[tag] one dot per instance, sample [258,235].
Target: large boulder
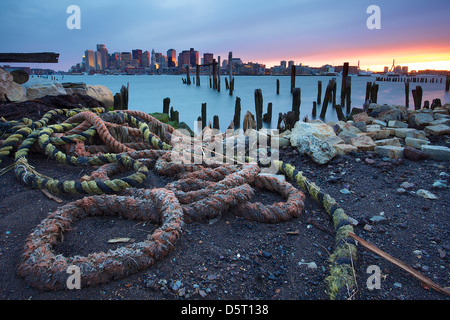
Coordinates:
[309,138]
[10,90]
[98,92]
[40,90]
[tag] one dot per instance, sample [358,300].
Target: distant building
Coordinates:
[283,63]
[386,69]
[104,56]
[171,58]
[136,54]
[125,57]
[98,61]
[89,60]
[145,59]
[290,63]
[208,58]
[193,57]
[153,58]
[405,70]
[184,58]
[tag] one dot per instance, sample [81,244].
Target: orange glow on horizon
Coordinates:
[415,57]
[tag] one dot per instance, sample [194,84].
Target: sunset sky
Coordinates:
[312,32]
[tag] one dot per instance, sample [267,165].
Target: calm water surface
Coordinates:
[148,91]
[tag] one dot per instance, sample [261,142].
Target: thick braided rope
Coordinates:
[341,281]
[42,269]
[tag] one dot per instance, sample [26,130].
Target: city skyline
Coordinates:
[309,32]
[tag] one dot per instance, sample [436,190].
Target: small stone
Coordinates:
[437,130]
[345,191]
[312,265]
[392,152]
[397,285]
[415,143]
[267,255]
[368,227]
[437,152]
[401,191]
[440,184]
[378,219]
[414,154]
[417,252]
[407,185]
[397,124]
[202,293]
[426,194]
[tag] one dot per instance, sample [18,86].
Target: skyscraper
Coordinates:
[171,58]
[137,55]
[145,59]
[104,56]
[193,57]
[98,61]
[184,58]
[89,60]
[208,58]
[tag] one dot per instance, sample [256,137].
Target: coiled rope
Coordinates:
[202,191]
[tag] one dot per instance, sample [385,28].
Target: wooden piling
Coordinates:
[237,112]
[296,100]
[314,109]
[333,90]
[188,80]
[218,73]
[374,93]
[292,78]
[203,115]
[319,92]
[267,117]
[227,86]
[197,75]
[214,66]
[326,100]
[278,86]
[344,83]
[258,108]
[368,90]
[216,122]
[407,94]
[348,94]
[447,83]
[166,103]
[230,71]
[417,96]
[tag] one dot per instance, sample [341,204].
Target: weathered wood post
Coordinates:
[278,86]
[368,90]
[188,81]
[374,93]
[230,71]
[267,117]
[237,112]
[407,94]
[296,100]
[227,86]
[344,83]
[214,66]
[258,108]
[333,91]
[348,94]
[292,78]
[197,75]
[326,100]
[314,109]
[166,103]
[203,115]
[218,73]
[216,122]
[319,92]
[417,96]
[447,83]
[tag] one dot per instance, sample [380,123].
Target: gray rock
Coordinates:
[426,194]
[437,152]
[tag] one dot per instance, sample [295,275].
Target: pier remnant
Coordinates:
[230,72]
[166,103]
[188,78]
[447,83]
[348,94]
[237,112]
[278,86]
[203,115]
[258,108]
[319,92]
[267,117]
[407,94]
[417,97]
[216,122]
[296,101]
[197,75]
[344,83]
[292,78]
